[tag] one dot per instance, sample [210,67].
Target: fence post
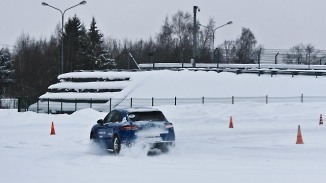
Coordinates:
[218,56]
[259,55]
[266,99]
[37,105]
[276,57]
[110,104]
[175,100]
[48,106]
[26,104]
[75,105]
[232,99]
[203,100]
[301,98]
[130,102]
[61,107]
[153,60]
[91,103]
[18,105]
[152,101]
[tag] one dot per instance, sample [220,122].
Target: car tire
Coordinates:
[92,136]
[116,145]
[165,149]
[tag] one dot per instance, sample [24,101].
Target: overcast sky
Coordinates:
[275,23]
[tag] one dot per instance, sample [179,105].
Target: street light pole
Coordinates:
[62,20]
[213,31]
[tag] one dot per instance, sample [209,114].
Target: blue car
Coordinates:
[125,127]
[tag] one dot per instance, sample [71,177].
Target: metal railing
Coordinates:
[62,106]
[222,57]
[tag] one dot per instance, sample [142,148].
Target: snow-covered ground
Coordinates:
[260,148]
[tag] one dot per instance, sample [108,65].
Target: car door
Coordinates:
[109,124]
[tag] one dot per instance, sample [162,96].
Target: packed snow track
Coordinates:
[260,148]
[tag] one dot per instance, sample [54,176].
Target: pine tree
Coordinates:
[105,62]
[97,59]
[6,71]
[74,41]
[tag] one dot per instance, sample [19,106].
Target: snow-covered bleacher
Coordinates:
[83,89]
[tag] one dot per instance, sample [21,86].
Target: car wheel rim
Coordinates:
[116,145]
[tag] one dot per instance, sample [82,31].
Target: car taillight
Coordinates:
[129,127]
[169,125]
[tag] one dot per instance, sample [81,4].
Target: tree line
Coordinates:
[34,64]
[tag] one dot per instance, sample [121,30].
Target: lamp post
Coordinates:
[62,20]
[213,31]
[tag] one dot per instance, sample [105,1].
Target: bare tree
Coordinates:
[227,51]
[302,54]
[246,47]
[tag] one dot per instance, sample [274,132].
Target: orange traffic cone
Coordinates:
[52,129]
[231,122]
[299,136]
[321,120]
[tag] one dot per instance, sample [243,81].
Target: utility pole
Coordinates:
[195,36]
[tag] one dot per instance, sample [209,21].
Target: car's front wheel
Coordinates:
[116,145]
[92,136]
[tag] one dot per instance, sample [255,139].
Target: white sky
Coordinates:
[275,23]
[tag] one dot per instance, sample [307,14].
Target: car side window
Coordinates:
[108,117]
[116,117]
[113,116]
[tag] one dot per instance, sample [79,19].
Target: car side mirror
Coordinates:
[100,121]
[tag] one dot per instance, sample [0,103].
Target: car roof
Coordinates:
[138,109]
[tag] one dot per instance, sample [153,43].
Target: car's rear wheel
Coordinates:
[116,145]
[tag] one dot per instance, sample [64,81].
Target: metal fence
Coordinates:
[140,102]
[57,106]
[8,103]
[299,56]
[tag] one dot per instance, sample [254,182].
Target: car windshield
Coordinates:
[147,116]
